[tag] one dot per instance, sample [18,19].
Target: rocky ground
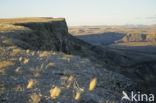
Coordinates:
[30,76]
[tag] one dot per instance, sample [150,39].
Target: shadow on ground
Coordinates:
[101,39]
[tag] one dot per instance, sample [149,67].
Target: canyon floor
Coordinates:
[41,62]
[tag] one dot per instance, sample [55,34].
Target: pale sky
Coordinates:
[84,12]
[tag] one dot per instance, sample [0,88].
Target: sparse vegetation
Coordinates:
[43,54]
[35,98]
[31,83]
[7,24]
[4,64]
[92,84]
[26,61]
[55,92]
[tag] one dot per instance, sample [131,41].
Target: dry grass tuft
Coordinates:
[2,90]
[92,84]
[77,96]
[12,59]
[35,98]
[45,53]
[12,47]
[19,88]
[70,80]
[17,69]
[37,74]
[27,51]
[6,42]
[33,53]
[42,66]
[6,64]
[31,83]
[55,92]
[2,72]
[15,51]
[50,65]
[20,59]
[26,61]
[66,58]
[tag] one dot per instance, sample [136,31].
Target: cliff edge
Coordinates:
[40,62]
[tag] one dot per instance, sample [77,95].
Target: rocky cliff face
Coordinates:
[46,36]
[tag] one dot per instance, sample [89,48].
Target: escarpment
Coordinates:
[52,35]
[38,65]
[47,36]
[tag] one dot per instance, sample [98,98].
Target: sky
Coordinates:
[84,12]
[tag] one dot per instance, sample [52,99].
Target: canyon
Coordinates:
[39,56]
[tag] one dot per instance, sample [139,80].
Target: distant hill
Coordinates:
[141,35]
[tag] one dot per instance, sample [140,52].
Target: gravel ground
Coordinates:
[31,76]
